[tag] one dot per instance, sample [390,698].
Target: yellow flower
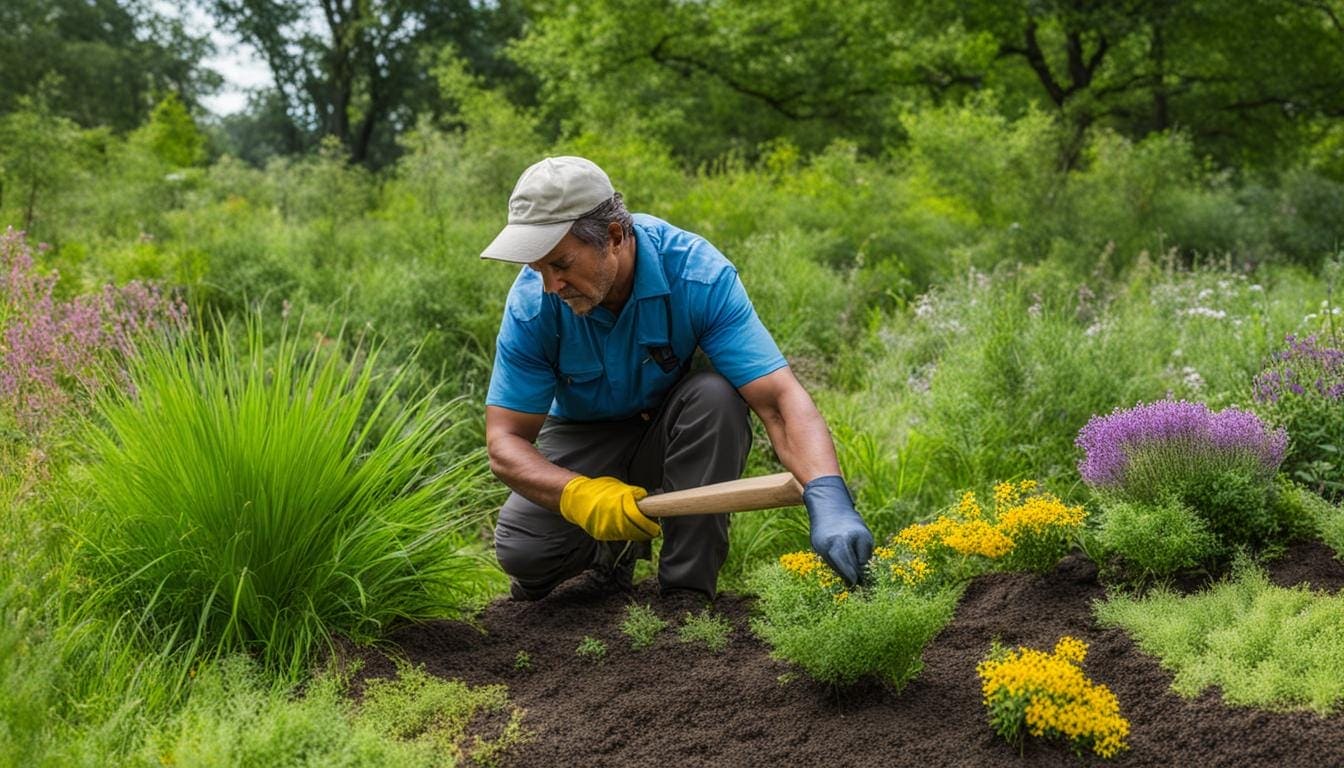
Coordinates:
[1050,695]
[800,563]
[968,508]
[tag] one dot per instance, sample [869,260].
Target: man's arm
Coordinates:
[797,430]
[605,507]
[800,438]
[509,437]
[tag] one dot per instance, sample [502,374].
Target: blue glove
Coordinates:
[838,533]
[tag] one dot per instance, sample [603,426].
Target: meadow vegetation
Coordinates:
[242,368]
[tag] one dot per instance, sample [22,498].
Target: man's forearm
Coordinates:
[800,438]
[521,466]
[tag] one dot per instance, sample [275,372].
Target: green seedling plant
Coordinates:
[641,625]
[592,649]
[707,627]
[522,662]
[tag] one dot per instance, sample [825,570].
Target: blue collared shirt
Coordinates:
[605,367]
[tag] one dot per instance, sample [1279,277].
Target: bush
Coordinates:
[263,502]
[838,637]
[1264,646]
[1027,530]
[1155,538]
[1220,465]
[1301,389]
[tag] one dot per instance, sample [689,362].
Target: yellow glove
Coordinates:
[605,508]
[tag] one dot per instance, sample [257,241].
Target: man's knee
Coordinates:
[710,392]
[536,546]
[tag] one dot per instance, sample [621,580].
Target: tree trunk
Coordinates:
[32,203]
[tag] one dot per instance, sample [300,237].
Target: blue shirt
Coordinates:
[606,367]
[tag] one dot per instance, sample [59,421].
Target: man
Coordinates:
[592,402]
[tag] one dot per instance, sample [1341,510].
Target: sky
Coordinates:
[236,61]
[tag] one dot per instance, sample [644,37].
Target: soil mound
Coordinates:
[680,704]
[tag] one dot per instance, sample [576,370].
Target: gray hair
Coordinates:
[591,228]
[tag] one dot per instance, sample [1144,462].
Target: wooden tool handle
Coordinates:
[765,492]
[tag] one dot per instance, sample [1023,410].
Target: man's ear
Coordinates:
[615,233]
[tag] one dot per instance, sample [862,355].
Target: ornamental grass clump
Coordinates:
[1177,476]
[1046,695]
[1301,389]
[266,500]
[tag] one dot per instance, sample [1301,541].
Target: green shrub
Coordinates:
[1155,538]
[641,625]
[264,501]
[841,638]
[234,717]
[707,627]
[1261,645]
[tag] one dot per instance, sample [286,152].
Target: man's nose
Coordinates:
[551,283]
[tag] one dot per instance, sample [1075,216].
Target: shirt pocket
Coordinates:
[580,374]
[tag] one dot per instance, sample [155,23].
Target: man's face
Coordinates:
[578,273]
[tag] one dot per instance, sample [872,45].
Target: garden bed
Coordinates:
[681,704]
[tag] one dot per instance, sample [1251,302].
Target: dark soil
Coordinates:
[675,704]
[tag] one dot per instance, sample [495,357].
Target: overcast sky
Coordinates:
[237,62]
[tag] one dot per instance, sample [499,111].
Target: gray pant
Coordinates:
[700,435]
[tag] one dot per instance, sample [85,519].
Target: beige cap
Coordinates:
[549,197]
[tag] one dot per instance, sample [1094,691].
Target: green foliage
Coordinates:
[100,63]
[171,135]
[1301,389]
[235,717]
[1262,645]
[881,634]
[591,649]
[641,625]
[264,501]
[522,662]
[1155,538]
[707,627]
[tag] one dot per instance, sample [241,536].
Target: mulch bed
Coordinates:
[675,704]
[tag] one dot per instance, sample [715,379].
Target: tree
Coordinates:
[101,62]
[356,69]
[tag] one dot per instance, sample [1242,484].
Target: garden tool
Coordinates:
[749,493]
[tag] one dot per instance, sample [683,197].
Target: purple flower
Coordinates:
[1183,432]
[52,353]
[1304,368]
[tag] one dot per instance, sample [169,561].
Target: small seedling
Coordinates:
[592,649]
[786,678]
[642,625]
[523,661]
[708,628]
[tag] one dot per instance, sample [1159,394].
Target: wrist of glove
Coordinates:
[839,535]
[606,508]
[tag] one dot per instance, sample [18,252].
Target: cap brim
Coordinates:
[525,243]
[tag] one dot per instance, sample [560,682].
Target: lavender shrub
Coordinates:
[55,353]
[1301,389]
[1219,465]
